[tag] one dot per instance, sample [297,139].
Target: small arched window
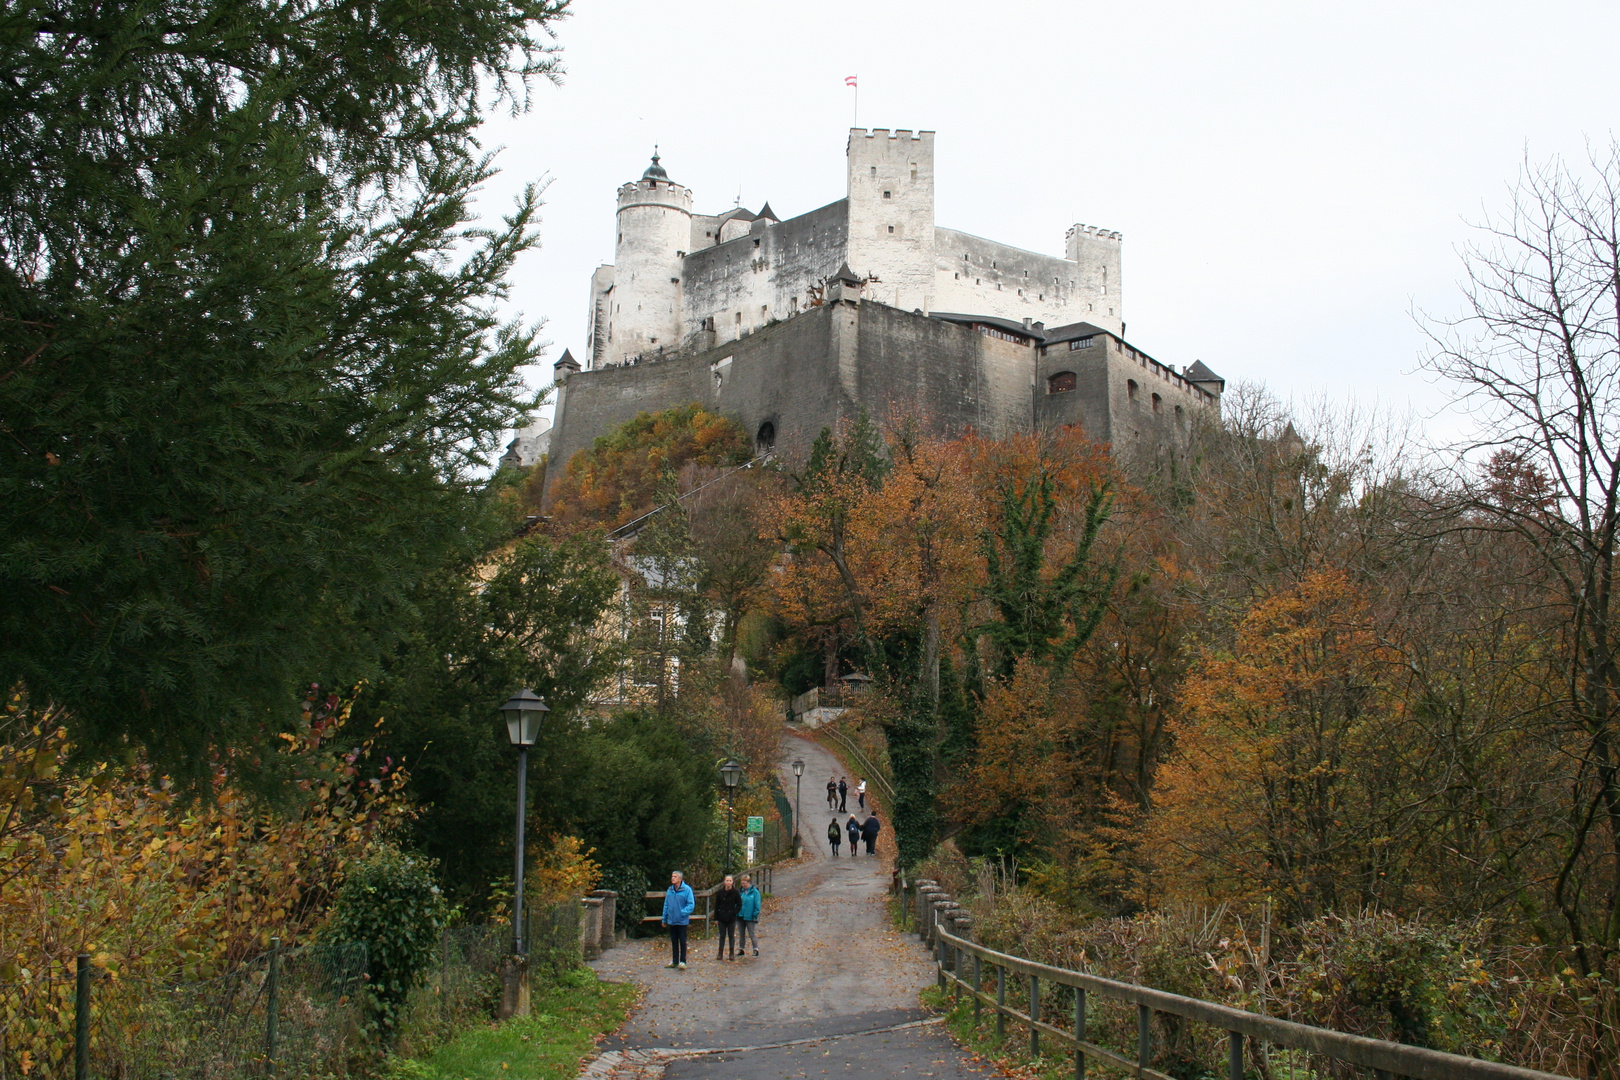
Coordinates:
[1181,417]
[1061,383]
[1157,401]
[1130,389]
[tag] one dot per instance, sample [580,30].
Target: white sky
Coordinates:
[1291,179]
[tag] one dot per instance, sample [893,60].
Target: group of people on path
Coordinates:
[735,911]
[858,830]
[838,790]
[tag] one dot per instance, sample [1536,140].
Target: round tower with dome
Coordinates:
[654,231]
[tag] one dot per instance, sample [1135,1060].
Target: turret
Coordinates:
[654,229]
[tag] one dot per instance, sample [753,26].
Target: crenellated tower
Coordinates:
[654,230]
[891,214]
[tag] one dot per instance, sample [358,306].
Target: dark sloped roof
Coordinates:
[655,171]
[737,213]
[1012,326]
[767,213]
[1072,332]
[848,275]
[1198,373]
[567,360]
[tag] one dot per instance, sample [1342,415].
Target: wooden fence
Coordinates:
[965,966]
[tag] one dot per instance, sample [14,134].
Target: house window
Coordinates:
[1061,383]
[1130,389]
[1080,343]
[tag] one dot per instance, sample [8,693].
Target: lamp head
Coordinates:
[523,713]
[731,773]
[798,768]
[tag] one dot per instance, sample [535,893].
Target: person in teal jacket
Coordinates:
[751,900]
[678,905]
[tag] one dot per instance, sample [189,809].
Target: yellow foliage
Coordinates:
[562,870]
[155,889]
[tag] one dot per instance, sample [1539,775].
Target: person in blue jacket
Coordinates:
[751,899]
[678,905]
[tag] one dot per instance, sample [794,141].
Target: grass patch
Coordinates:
[564,1025]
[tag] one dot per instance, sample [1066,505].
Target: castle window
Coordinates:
[1061,383]
[958,277]
[914,172]
[976,281]
[992,264]
[1105,283]
[1157,401]
[1130,389]
[1080,343]
[887,195]
[1181,417]
[891,228]
[874,170]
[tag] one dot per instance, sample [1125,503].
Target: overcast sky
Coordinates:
[1291,179]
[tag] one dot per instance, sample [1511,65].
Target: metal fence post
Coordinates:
[271,987]
[1001,1002]
[81,1019]
[1144,1035]
[1034,1017]
[1234,1056]
[1079,1032]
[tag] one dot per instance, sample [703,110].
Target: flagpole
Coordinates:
[855,120]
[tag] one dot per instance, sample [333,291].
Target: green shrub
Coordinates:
[390,904]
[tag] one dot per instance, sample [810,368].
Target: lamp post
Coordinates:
[798,775]
[523,713]
[730,773]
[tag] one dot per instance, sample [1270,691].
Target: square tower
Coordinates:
[891,214]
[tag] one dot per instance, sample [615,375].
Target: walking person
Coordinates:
[832,793]
[727,906]
[843,794]
[853,827]
[748,921]
[678,905]
[860,791]
[870,832]
[835,836]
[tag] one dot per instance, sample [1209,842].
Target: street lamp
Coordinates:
[798,774]
[523,714]
[730,773]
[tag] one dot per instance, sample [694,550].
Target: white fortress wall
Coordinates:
[981,277]
[891,215]
[596,321]
[766,273]
[1097,254]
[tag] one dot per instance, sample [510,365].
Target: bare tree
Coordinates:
[1537,355]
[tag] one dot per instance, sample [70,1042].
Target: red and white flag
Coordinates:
[849,80]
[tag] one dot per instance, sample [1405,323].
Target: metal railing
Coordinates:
[953,954]
[866,768]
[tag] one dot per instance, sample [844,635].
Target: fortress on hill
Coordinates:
[792,326]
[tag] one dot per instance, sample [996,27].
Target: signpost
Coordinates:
[756,826]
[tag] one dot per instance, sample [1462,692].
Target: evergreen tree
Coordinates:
[250,370]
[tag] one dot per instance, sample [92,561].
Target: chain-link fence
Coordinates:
[288,1012]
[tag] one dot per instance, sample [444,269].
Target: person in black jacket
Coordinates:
[870,831]
[835,836]
[843,794]
[727,910]
[853,827]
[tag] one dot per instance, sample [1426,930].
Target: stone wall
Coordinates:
[891,214]
[766,274]
[975,276]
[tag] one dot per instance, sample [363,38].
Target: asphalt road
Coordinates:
[833,993]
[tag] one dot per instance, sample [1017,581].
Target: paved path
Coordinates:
[833,993]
